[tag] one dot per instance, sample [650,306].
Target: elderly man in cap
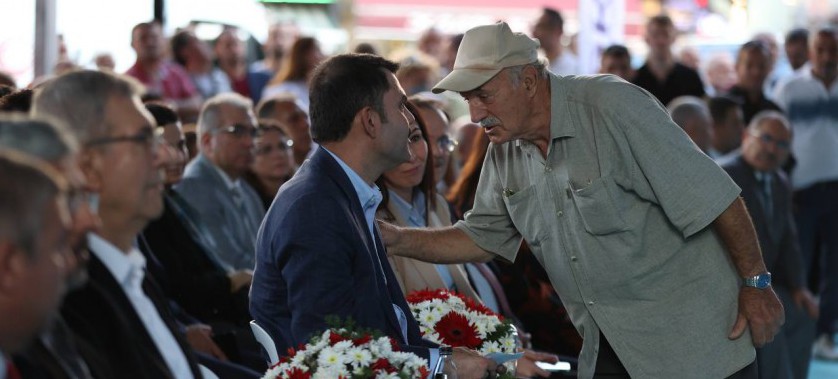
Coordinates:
[645,238]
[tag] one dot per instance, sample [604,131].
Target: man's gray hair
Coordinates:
[761,117]
[79,99]
[29,187]
[515,72]
[37,137]
[685,108]
[210,118]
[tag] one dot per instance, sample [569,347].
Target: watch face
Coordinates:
[763,281]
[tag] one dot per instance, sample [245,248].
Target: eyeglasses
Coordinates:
[446,144]
[239,131]
[267,149]
[767,139]
[146,136]
[78,196]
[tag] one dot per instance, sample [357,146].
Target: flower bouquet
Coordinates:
[347,353]
[449,318]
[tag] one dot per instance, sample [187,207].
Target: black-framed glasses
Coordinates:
[767,139]
[446,144]
[146,136]
[266,149]
[239,130]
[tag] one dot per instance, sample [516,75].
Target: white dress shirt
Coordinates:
[129,271]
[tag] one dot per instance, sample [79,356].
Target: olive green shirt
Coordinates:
[619,214]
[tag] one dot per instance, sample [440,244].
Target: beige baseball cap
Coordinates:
[484,52]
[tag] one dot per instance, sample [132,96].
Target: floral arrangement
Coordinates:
[348,353]
[452,319]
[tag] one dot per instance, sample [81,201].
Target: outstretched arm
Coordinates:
[759,309]
[438,245]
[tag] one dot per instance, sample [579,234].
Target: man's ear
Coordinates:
[529,79]
[11,266]
[205,144]
[370,121]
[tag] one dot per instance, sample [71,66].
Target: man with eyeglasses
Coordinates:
[55,351]
[213,182]
[767,194]
[120,315]
[810,100]
[34,247]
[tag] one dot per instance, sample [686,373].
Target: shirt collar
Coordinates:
[369,195]
[231,184]
[559,126]
[415,213]
[128,268]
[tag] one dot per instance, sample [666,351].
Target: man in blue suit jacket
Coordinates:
[767,194]
[318,251]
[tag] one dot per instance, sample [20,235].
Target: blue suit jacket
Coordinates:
[205,190]
[777,235]
[315,258]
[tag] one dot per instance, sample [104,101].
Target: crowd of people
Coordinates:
[666,221]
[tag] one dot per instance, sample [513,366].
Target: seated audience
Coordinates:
[288,112]
[728,126]
[273,164]
[212,183]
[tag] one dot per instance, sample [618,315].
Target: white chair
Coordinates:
[207,373]
[266,341]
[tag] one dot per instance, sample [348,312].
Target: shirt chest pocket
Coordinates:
[597,207]
[525,211]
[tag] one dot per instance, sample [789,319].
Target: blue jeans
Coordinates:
[816,216]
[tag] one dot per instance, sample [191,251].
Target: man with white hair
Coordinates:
[212,182]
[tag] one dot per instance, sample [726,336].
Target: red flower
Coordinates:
[384,365]
[455,330]
[296,373]
[362,340]
[335,338]
[394,345]
[425,295]
[423,372]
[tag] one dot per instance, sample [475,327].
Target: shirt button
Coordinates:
[591,302]
[573,258]
[560,213]
[548,169]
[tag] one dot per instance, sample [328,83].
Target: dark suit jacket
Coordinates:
[103,318]
[777,235]
[315,258]
[234,231]
[194,280]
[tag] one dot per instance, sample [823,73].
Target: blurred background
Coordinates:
[38,34]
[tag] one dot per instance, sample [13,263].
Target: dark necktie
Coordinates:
[764,191]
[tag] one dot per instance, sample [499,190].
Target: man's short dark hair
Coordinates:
[179,41]
[17,101]
[754,45]
[720,106]
[661,20]
[163,114]
[554,17]
[797,35]
[342,86]
[616,51]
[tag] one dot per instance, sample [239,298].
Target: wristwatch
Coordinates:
[760,281]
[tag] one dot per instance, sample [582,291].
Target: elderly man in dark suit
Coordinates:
[767,194]
[212,183]
[119,315]
[318,251]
